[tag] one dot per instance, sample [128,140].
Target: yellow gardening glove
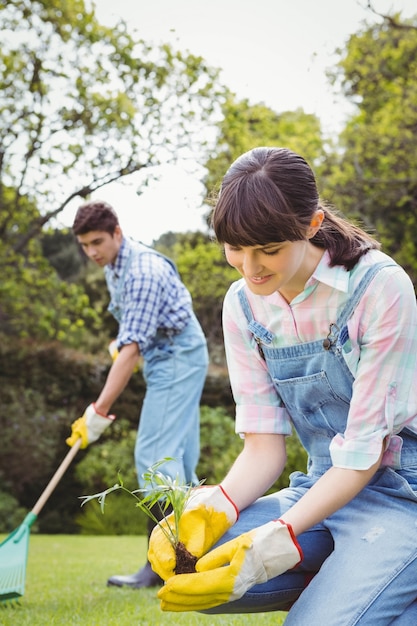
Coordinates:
[226,573]
[89,427]
[207,515]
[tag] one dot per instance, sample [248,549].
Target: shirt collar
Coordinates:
[121,259]
[336,277]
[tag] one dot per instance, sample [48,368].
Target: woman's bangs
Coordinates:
[252,211]
[249,224]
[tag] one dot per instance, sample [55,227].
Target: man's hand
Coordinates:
[208,514]
[89,427]
[226,573]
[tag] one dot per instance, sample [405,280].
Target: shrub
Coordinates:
[220,445]
[11,514]
[120,517]
[99,470]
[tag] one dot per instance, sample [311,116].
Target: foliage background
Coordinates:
[83,105]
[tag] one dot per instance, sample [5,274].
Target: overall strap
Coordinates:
[116,291]
[355,298]
[338,331]
[245,304]
[141,248]
[259,332]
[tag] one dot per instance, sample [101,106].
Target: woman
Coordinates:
[320,336]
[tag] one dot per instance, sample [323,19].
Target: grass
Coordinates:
[66,584]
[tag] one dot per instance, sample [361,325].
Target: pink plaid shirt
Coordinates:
[381,353]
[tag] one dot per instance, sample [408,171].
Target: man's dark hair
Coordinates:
[95,215]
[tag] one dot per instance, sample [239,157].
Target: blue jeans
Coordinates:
[175,369]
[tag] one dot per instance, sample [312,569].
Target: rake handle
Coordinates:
[56,477]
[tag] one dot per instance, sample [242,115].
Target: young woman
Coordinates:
[321,337]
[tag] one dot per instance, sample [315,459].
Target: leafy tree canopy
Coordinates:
[375,176]
[245,126]
[82,105]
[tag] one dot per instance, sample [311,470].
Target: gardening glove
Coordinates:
[89,427]
[226,573]
[208,513]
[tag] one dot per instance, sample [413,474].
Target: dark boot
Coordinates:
[145,577]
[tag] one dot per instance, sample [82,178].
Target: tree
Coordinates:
[82,105]
[207,275]
[60,248]
[374,179]
[245,126]
[34,302]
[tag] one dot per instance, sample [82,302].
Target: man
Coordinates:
[156,320]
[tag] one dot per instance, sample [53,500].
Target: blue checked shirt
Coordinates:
[148,295]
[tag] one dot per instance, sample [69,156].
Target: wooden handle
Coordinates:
[56,477]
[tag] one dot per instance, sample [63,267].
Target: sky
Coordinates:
[270,51]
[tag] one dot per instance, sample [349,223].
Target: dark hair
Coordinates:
[270,195]
[95,215]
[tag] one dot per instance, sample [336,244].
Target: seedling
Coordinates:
[169,495]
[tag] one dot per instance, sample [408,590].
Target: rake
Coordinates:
[14,549]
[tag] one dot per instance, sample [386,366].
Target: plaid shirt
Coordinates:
[381,354]
[152,297]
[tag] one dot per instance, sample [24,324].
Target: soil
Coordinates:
[185,560]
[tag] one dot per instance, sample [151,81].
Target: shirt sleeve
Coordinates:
[258,406]
[383,333]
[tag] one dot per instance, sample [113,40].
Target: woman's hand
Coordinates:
[226,573]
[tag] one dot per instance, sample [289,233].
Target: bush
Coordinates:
[100,468]
[220,445]
[11,514]
[31,432]
[120,517]
[107,458]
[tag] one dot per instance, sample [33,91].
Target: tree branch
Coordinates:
[83,193]
[390,19]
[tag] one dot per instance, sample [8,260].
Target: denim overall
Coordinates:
[367,550]
[174,369]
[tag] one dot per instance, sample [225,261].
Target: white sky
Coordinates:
[270,51]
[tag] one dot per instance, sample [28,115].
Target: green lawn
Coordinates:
[66,584]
